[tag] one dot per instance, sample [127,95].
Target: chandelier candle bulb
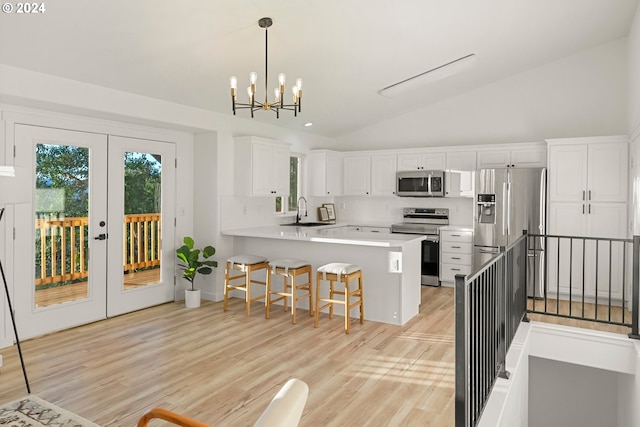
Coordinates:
[276,93]
[253,77]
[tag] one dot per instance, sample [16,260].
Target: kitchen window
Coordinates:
[295,187]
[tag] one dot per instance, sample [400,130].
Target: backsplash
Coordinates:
[388,210]
[241,212]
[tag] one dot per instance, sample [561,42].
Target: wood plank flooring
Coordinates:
[224,368]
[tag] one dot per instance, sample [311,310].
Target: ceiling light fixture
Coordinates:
[278,103]
[438,73]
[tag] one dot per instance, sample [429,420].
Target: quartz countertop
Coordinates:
[339,234]
[456,228]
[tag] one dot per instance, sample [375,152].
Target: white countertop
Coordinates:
[326,234]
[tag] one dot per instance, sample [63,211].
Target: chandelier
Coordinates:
[278,103]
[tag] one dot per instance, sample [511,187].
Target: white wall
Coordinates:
[582,95]
[634,117]
[564,394]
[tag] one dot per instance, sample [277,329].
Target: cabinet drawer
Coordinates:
[453,258]
[455,247]
[456,236]
[448,271]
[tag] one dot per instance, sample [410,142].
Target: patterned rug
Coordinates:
[32,411]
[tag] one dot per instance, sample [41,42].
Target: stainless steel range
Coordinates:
[425,221]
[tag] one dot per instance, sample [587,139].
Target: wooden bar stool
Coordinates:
[248,264]
[343,273]
[289,268]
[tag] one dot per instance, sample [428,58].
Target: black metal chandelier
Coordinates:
[278,103]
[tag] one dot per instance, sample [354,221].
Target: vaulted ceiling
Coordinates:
[346,51]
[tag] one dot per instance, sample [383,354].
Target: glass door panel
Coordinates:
[142,206]
[62,224]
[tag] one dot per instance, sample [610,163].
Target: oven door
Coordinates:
[430,261]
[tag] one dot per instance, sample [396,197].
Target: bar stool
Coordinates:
[289,268]
[248,264]
[343,273]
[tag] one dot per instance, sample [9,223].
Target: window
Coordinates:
[295,187]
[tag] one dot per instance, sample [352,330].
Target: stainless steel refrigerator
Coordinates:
[508,201]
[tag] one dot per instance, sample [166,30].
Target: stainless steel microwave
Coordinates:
[420,183]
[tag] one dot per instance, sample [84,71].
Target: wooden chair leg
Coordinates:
[294,293]
[226,289]
[311,306]
[347,297]
[331,296]
[317,303]
[267,296]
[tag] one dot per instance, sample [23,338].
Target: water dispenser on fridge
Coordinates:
[486,206]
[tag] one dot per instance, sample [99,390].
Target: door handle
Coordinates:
[102,236]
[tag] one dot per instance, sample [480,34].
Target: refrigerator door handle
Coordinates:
[508,208]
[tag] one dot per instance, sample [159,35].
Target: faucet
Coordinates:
[298,209]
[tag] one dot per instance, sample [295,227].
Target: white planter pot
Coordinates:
[192,298]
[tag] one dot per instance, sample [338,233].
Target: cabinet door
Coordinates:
[333,178]
[357,173]
[263,173]
[383,175]
[605,220]
[434,161]
[567,173]
[564,256]
[281,171]
[409,162]
[489,159]
[535,157]
[608,172]
[465,163]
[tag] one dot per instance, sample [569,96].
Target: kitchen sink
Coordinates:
[306,224]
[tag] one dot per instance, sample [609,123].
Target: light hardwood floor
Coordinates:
[224,368]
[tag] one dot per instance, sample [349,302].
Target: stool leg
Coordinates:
[361,299]
[331,296]
[247,278]
[226,287]
[317,303]
[347,323]
[311,307]
[285,289]
[293,297]
[267,296]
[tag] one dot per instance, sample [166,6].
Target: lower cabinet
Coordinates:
[456,253]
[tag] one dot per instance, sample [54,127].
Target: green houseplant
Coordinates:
[191,263]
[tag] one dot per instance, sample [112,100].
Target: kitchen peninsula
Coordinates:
[390,262]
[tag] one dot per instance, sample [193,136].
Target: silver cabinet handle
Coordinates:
[455,269]
[589,194]
[453,257]
[455,247]
[583,194]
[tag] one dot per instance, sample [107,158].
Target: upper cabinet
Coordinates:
[261,167]
[383,174]
[357,175]
[463,162]
[325,173]
[421,161]
[521,157]
[366,174]
[588,170]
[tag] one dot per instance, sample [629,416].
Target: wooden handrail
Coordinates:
[63,245]
[171,417]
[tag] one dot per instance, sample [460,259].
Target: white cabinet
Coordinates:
[426,161]
[456,253]
[325,173]
[383,174]
[463,162]
[586,173]
[521,157]
[357,175]
[366,175]
[261,167]
[587,198]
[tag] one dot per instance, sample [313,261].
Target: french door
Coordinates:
[90,245]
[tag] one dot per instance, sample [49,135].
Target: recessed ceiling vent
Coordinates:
[438,73]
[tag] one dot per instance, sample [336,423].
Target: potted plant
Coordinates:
[191,264]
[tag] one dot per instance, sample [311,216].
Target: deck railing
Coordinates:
[62,247]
